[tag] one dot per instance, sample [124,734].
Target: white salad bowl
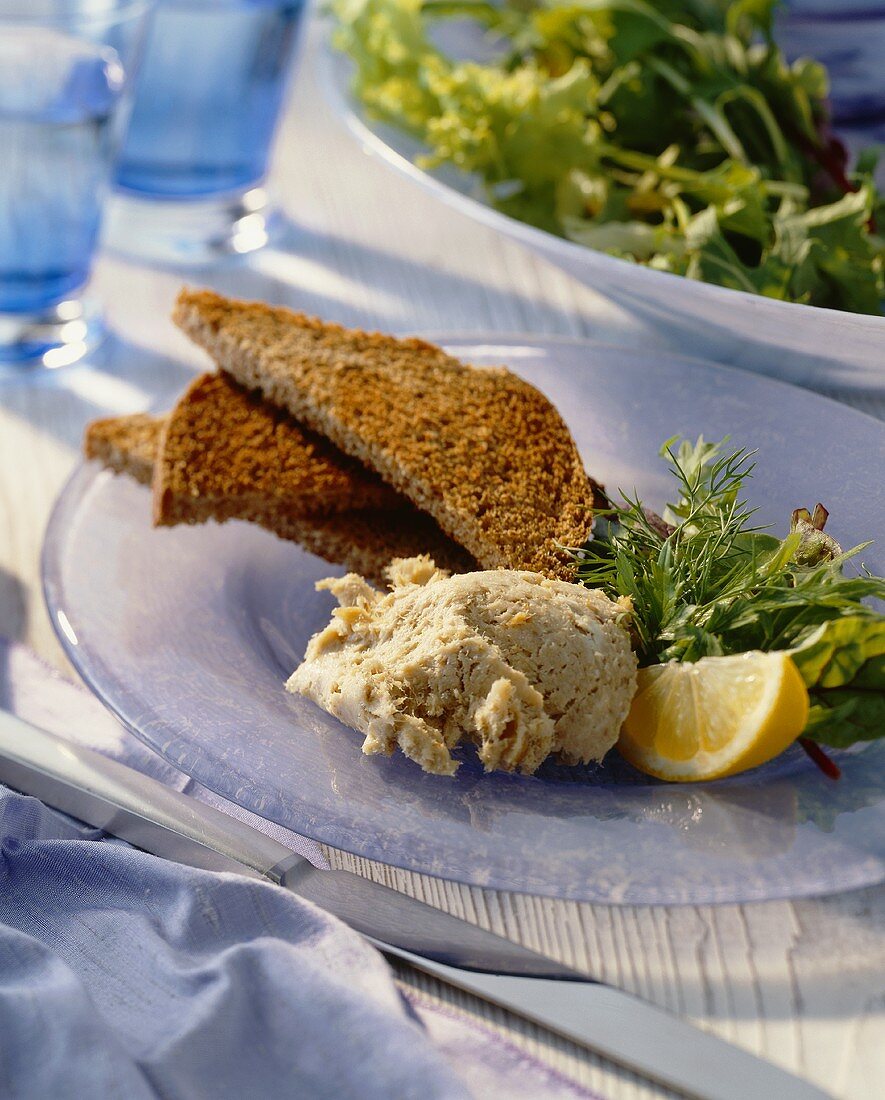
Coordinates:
[824,348]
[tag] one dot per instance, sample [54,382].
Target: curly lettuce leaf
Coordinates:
[673,134]
[843,665]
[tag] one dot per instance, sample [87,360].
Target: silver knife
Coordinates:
[623,1028]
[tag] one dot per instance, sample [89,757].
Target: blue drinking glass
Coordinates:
[207,98]
[62,82]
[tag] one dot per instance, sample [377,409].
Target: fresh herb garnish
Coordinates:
[671,133]
[704,579]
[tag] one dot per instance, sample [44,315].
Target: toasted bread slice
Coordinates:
[363,540]
[481,451]
[226,453]
[125,444]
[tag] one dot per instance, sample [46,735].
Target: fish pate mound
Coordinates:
[523,665]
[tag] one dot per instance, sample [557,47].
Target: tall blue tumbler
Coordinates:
[63,66]
[210,86]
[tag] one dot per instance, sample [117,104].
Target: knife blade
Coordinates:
[123,802]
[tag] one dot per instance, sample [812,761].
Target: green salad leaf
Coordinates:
[705,580]
[843,665]
[672,133]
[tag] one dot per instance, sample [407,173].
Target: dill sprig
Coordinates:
[679,569]
[705,579]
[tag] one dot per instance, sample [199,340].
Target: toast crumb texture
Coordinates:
[480,450]
[226,451]
[125,444]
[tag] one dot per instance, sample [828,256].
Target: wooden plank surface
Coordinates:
[801,983]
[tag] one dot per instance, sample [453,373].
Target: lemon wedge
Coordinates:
[716,717]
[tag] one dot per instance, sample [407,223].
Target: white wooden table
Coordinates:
[801,983]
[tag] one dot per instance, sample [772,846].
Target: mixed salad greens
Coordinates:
[704,580]
[672,133]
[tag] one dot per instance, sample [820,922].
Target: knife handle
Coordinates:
[127,804]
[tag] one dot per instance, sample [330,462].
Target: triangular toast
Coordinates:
[226,452]
[480,450]
[125,444]
[363,540]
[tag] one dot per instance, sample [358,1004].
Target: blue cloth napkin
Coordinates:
[123,975]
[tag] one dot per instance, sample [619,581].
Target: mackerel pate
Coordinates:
[521,664]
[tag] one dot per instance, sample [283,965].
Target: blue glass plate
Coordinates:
[188,633]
